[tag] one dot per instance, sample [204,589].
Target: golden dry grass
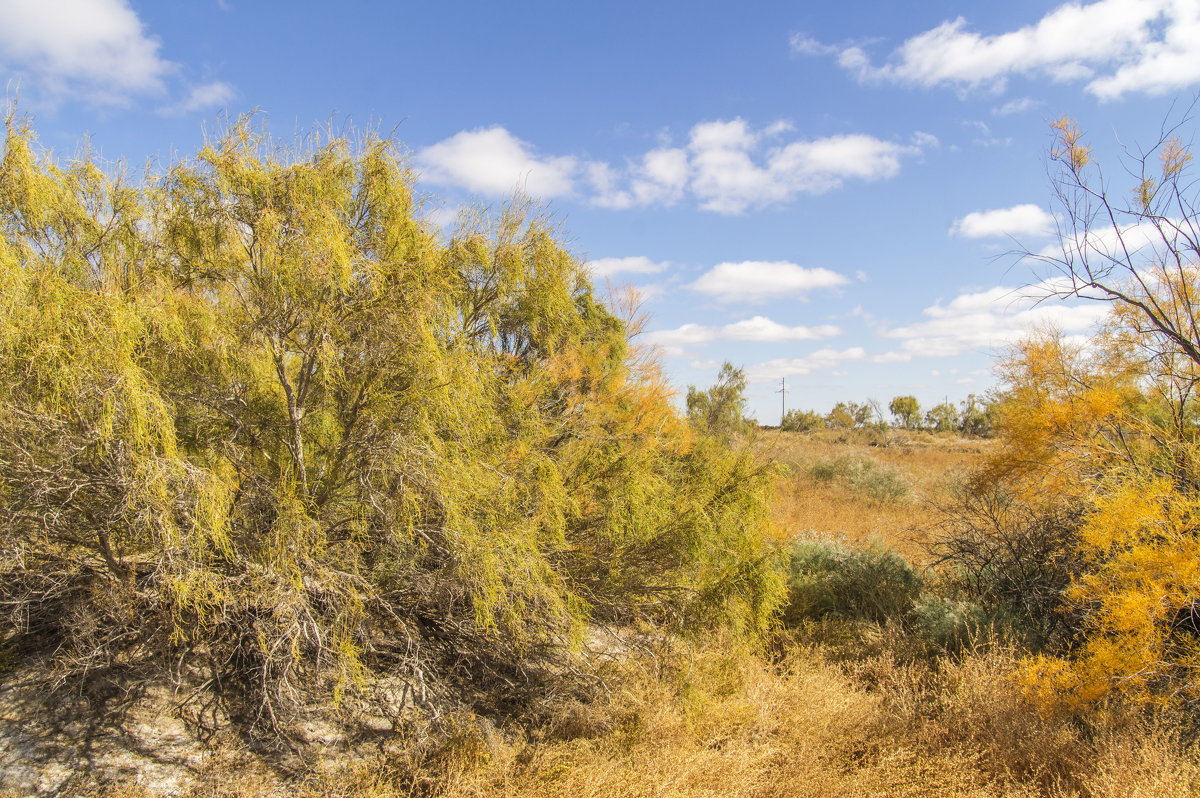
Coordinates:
[735,728]
[925,463]
[727,723]
[825,720]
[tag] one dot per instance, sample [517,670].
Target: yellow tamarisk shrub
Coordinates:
[1094,429]
[1112,427]
[264,427]
[1139,588]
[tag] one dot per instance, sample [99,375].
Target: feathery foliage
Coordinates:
[259,421]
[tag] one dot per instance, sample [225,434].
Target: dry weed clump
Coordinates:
[971,709]
[725,723]
[1146,764]
[728,723]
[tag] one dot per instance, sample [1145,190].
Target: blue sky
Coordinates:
[819,192]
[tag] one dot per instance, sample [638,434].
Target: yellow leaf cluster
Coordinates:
[1067,146]
[1090,426]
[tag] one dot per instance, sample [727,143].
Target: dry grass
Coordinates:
[923,462]
[729,724]
[720,721]
[847,712]
[735,726]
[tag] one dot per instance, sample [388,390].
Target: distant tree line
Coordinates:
[720,410]
[975,415]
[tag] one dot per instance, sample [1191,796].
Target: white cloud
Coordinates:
[778,128]
[788,367]
[1016,106]
[1117,46]
[987,319]
[892,357]
[1141,244]
[638,264]
[674,342]
[804,44]
[201,98]
[732,173]
[94,49]
[660,178]
[754,281]
[759,329]
[1164,64]
[727,166]
[492,161]
[925,140]
[649,293]
[1019,220]
[443,216]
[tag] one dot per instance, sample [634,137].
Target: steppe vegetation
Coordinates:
[276,451]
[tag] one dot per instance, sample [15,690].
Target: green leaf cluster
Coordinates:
[720,410]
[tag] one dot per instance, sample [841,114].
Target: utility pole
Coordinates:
[782,399]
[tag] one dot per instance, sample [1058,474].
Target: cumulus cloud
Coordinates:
[892,357]
[495,162]
[755,281]
[923,140]
[674,342]
[1116,46]
[820,360]
[638,264]
[727,166]
[1139,245]
[661,177]
[1019,220]
[733,173]
[97,51]
[759,329]
[986,319]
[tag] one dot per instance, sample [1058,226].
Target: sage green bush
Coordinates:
[861,475]
[828,578]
